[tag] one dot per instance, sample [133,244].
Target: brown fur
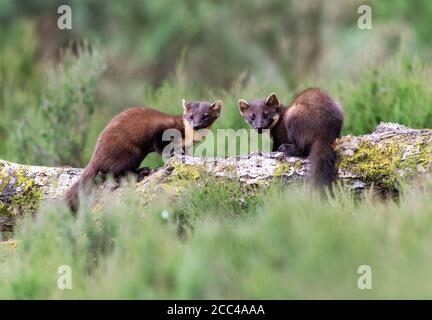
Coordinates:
[132,135]
[307,128]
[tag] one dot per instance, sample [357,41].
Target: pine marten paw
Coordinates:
[180,152]
[142,173]
[289,150]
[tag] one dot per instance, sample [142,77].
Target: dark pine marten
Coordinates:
[133,134]
[307,128]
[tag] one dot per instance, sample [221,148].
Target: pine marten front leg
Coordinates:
[290,150]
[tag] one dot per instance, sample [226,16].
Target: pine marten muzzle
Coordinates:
[133,134]
[307,128]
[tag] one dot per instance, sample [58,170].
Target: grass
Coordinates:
[287,243]
[399,91]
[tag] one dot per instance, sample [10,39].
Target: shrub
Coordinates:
[53,131]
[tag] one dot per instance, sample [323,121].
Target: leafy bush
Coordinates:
[53,132]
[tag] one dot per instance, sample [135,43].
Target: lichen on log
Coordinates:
[381,159]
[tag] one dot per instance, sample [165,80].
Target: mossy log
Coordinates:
[381,159]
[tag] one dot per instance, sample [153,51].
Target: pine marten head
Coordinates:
[201,114]
[262,113]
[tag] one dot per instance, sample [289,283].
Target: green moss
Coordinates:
[181,176]
[297,165]
[284,167]
[422,157]
[4,182]
[4,210]
[230,168]
[10,244]
[27,197]
[385,161]
[187,171]
[27,201]
[280,169]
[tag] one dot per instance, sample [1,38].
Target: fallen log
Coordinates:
[380,159]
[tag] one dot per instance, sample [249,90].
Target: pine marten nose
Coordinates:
[259,128]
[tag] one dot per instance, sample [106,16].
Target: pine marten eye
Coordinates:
[252,117]
[266,115]
[205,116]
[191,117]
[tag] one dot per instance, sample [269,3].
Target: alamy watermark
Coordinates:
[365,280]
[223,143]
[64,281]
[64,22]
[364,22]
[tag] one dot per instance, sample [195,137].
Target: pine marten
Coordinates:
[133,134]
[307,128]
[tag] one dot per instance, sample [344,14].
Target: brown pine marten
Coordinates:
[133,134]
[307,128]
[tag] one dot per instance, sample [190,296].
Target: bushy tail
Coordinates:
[83,182]
[323,159]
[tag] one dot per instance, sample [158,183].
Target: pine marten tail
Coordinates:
[323,160]
[84,180]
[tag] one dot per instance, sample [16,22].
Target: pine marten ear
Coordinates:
[186,105]
[272,100]
[243,105]
[216,106]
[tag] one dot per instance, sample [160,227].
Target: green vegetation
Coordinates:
[26,200]
[211,238]
[399,91]
[282,244]
[54,129]
[386,161]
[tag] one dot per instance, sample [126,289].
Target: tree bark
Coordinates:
[381,159]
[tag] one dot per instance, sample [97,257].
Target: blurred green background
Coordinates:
[218,239]
[59,88]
